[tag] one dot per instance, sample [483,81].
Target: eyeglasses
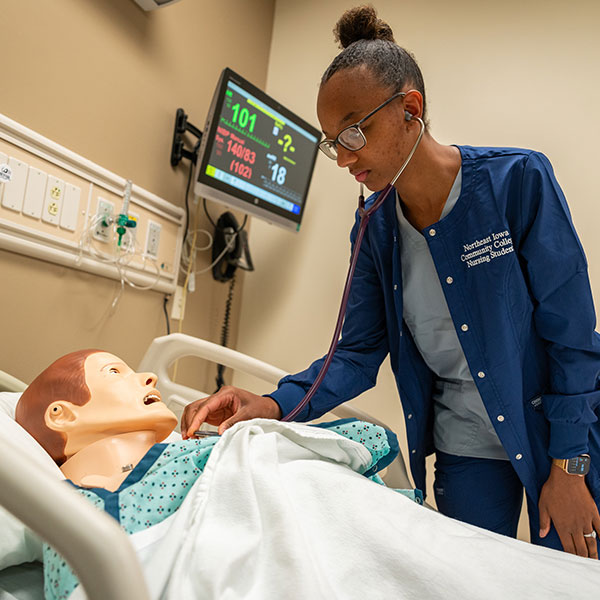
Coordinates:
[352,138]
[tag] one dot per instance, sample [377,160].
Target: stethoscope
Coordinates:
[365,215]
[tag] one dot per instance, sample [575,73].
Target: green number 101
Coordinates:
[244,117]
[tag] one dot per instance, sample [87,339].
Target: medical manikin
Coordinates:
[95,417]
[103,424]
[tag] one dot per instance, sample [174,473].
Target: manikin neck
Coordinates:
[107,462]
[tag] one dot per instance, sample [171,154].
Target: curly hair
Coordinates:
[369,41]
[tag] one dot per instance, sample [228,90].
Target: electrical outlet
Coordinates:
[105,209]
[153,239]
[178,306]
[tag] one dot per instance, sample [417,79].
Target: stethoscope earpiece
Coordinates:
[407,116]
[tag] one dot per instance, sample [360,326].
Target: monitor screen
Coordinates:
[255,154]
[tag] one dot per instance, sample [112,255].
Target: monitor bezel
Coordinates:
[213,189]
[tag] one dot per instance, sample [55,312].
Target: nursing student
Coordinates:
[471,276]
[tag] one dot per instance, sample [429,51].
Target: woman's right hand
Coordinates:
[225,408]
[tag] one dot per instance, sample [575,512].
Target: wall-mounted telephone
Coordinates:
[230,251]
[230,248]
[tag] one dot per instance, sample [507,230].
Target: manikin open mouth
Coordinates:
[151,398]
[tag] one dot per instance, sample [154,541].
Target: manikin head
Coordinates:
[87,396]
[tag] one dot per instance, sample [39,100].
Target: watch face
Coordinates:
[579,465]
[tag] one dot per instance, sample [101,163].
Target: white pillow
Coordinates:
[8,402]
[17,543]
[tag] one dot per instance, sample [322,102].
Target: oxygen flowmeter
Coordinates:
[123,220]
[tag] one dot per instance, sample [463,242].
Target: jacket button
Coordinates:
[519,456]
[464,327]
[395,287]
[432,232]
[481,374]
[449,280]
[500,418]
[409,416]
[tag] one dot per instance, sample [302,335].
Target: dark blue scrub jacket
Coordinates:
[513,270]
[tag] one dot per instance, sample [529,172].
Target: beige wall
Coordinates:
[497,73]
[104,78]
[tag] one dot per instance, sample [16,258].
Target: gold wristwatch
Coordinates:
[578,465]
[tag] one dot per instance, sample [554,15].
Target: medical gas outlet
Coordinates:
[129,241]
[60,207]
[124,222]
[104,220]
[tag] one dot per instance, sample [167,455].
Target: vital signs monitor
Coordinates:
[255,155]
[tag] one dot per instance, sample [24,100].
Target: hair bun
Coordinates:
[361,23]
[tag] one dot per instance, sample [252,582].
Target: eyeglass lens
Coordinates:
[351,138]
[328,148]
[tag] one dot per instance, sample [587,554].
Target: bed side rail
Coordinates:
[8,383]
[166,349]
[76,529]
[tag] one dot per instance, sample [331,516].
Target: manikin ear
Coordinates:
[60,416]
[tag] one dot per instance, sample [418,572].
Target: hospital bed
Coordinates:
[101,552]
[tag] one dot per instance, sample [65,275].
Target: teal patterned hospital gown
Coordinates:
[158,484]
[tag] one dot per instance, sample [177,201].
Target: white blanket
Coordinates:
[281,513]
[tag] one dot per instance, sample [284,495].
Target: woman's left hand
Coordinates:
[566,502]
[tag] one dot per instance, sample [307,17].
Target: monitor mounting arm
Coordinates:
[177,149]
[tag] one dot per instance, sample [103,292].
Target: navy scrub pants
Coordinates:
[480,491]
[487,493]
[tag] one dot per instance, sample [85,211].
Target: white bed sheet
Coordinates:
[418,557]
[278,513]
[22,582]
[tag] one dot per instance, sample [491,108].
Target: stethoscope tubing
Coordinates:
[365,215]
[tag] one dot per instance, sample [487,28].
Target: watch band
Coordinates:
[561,463]
[578,465]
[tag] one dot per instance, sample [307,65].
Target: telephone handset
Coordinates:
[230,251]
[229,234]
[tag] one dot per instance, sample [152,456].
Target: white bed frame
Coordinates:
[101,553]
[167,349]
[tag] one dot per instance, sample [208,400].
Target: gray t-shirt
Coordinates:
[461,424]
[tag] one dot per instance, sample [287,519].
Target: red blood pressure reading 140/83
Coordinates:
[241,151]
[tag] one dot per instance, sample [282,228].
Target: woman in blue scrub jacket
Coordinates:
[473,279]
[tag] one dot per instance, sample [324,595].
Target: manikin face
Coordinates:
[346,98]
[122,401]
